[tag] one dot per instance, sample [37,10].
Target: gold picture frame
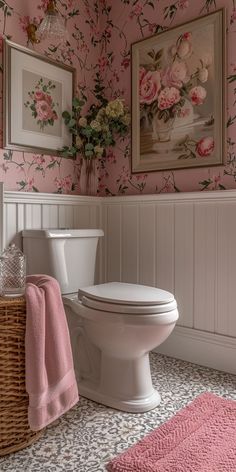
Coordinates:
[178,97]
[36,91]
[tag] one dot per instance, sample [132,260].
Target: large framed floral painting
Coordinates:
[178,103]
[36,91]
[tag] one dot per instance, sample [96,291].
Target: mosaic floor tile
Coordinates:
[89,435]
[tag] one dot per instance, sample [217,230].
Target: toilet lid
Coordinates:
[127,298]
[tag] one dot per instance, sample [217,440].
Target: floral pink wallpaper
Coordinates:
[127,21]
[100,35]
[43,173]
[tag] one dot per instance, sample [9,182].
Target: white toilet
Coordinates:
[113,326]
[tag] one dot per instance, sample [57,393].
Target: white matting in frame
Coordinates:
[178,97]
[36,92]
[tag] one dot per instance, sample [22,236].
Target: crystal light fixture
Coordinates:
[52,26]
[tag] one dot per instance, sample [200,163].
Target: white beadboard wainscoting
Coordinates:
[184,243]
[30,210]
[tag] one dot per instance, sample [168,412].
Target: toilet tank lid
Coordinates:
[62,233]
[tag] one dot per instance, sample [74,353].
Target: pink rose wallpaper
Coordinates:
[100,33]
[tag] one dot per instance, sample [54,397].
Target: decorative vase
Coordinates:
[145,123]
[163,129]
[88,177]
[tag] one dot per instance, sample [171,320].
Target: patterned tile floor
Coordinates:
[85,438]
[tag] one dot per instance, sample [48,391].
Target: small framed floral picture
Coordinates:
[178,102]
[36,91]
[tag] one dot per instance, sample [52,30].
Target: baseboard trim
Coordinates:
[199,347]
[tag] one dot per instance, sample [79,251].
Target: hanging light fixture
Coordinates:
[52,27]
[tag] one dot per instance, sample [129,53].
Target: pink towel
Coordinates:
[50,377]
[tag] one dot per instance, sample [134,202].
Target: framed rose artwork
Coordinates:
[36,91]
[178,102]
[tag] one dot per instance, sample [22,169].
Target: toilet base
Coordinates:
[140,405]
[124,384]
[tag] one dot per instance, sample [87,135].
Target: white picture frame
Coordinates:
[178,97]
[36,92]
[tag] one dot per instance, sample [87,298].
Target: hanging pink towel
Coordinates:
[50,377]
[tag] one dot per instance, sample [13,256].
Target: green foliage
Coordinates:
[98,128]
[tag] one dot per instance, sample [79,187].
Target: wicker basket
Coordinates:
[15,433]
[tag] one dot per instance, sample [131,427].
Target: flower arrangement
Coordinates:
[97,129]
[42,105]
[167,83]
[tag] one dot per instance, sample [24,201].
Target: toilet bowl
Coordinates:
[113,326]
[124,322]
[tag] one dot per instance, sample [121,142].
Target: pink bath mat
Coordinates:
[199,438]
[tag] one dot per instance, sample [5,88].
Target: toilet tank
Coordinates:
[67,255]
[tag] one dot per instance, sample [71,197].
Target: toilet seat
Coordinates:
[127,299]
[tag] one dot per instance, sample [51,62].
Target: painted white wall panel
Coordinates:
[183,262]
[165,246]
[50,216]
[147,244]
[205,266]
[226,270]
[184,243]
[28,215]
[112,242]
[81,217]
[66,216]
[20,216]
[130,244]
[10,223]
[37,216]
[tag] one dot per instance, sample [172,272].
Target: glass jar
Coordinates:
[12,272]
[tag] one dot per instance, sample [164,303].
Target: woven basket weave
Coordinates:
[15,433]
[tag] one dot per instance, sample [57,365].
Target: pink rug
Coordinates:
[199,438]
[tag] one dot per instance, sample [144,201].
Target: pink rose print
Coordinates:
[39,95]
[168,97]
[182,4]
[152,27]
[126,62]
[216,179]
[175,75]
[137,10]
[43,110]
[41,104]
[29,184]
[149,86]
[103,63]
[197,95]
[44,5]
[64,184]
[48,99]
[205,146]
[187,36]
[39,159]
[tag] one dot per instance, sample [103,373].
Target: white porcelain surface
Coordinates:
[129,294]
[112,326]
[67,255]
[123,343]
[62,233]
